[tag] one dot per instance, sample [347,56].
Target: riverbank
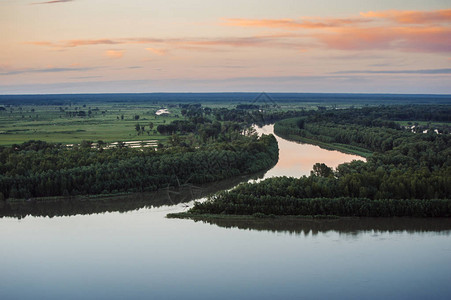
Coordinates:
[292,136]
[121,202]
[255,216]
[252,201]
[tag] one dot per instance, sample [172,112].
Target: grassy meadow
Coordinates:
[107,122]
[112,118]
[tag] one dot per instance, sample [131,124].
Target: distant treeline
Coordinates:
[385,115]
[409,174]
[221,123]
[39,169]
[358,99]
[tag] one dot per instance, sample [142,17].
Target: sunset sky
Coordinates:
[92,46]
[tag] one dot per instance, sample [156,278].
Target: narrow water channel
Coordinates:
[296,159]
[139,254]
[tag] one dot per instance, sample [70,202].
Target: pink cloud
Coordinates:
[41,43]
[52,2]
[434,34]
[114,53]
[384,30]
[157,51]
[313,23]
[251,41]
[415,39]
[75,43]
[411,17]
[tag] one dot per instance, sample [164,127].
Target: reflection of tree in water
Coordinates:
[83,205]
[351,226]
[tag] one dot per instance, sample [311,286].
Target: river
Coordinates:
[137,253]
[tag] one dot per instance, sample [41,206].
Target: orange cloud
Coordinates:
[411,17]
[354,33]
[384,30]
[235,42]
[357,39]
[430,39]
[74,43]
[251,41]
[157,51]
[418,39]
[292,24]
[404,17]
[51,2]
[114,53]
[42,43]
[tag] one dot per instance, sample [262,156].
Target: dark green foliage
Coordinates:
[239,204]
[321,169]
[300,123]
[52,170]
[247,106]
[409,174]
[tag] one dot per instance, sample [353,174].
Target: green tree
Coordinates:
[322,170]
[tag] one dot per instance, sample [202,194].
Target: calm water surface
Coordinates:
[140,254]
[298,159]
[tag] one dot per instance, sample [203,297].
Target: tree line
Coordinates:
[39,169]
[408,174]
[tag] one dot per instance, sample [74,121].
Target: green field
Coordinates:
[47,117]
[107,122]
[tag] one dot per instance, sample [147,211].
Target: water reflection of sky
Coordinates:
[297,159]
[140,254]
